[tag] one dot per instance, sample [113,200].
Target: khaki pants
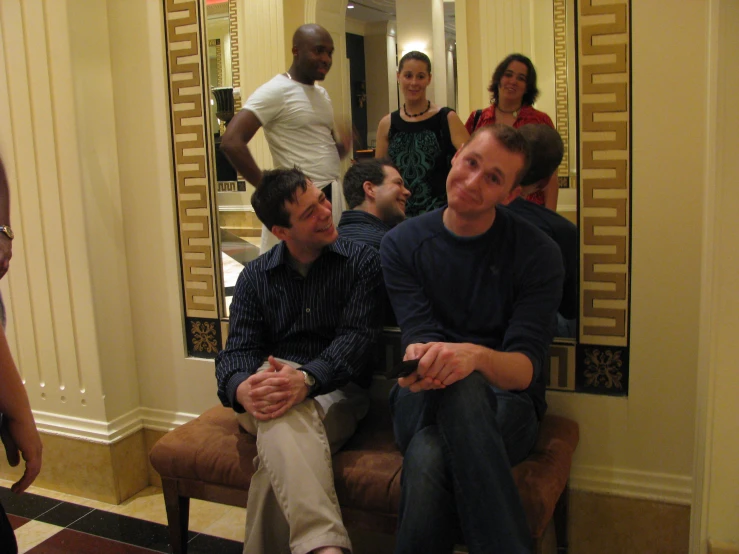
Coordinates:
[292,505]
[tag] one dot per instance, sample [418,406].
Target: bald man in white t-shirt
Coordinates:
[298,121]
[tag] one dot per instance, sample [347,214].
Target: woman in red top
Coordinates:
[513,89]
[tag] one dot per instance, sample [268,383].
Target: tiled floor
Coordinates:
[48,522]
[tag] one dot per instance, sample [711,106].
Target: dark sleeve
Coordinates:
[531,326]
[359,329]
[245,350]
[568,244]
[412,308]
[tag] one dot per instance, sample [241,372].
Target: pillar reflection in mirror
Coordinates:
[420,26]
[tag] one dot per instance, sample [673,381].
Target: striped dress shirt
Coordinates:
[362,227]
[328,321]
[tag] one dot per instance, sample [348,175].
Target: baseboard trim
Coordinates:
[717,547]
[164,420]
[661,487]
[109,432]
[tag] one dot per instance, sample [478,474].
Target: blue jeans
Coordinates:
[459,444]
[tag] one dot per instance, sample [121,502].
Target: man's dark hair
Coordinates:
[364,170]
[277,188]
[531,93]
[415,55]
[546,149]
[512,140]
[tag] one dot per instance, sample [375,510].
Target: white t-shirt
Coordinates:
[297,121]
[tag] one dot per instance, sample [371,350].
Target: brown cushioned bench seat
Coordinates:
[210,458]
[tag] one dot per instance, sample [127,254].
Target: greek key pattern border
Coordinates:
[560,84]
[216,43]
[605,172]
[233,31]
[185,59]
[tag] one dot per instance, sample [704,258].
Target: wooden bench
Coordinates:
[210,458]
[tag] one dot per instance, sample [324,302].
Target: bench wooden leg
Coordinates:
[560,520]
[178,516]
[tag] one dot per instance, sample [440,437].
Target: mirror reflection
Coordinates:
[373,51]
[240,230]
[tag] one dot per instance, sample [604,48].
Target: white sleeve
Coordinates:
[266,102]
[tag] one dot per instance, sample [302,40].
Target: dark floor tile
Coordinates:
[26,504]
[64,514]
[125,529]
[207,544]
[67,541]
[17,521]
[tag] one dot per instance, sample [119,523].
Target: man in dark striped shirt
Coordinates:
[304,318]
[376,198]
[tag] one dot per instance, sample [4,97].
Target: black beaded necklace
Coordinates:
[428,107]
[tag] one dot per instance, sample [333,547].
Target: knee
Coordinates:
[424,456]
[473,395]
[302,419]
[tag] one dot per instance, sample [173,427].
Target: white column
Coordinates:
[420,25]
[262,56]
[70,325]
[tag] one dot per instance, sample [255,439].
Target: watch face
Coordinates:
[8,231]
[309,379]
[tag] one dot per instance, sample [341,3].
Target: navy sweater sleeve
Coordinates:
[412,307]
[539,291]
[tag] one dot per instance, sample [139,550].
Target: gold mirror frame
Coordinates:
[598,361]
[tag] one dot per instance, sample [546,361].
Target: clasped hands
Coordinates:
[270,393]
[440,364]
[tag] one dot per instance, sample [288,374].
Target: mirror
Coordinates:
[600,140]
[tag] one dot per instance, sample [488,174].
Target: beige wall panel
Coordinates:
[67,379]
[55,340]
[101,187]
[75,228]
[722,448]
[34,306]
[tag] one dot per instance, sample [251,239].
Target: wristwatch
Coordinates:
[309,381]
[8,231]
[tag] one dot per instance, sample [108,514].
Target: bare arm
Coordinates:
[344,144]
[457,130]
[551,192]
[381,139]
[234,145]
[21,426]
[6,245]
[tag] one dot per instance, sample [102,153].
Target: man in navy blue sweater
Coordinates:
[475,289]
[304,317]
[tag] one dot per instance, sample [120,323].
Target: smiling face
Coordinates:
[513,83]
[483,174]
[313,54]
[311,226]
[390,196]
[414,78]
